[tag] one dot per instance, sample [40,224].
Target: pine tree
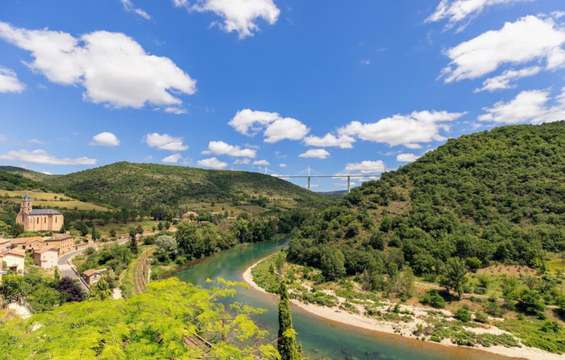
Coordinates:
[133,241]
[94,233]
[287,345]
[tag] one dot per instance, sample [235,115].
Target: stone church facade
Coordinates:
[38,219]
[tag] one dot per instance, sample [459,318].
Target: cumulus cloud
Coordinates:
[172,159]
[105,139]
[409,130]
[222,148]
[43,157]
[213,163]
[532,106]
[455,11]
[315,154]
[112,67]
[283,165]
[9,82]
[528,39]
[240,16]
[130,7]
[506,79]
[276,127]
[366,167]
[165,142]
[406,157]
[261,163]
[330,140]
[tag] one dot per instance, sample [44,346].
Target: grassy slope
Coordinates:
[145,185]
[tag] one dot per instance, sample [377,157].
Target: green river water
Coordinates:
[321,339]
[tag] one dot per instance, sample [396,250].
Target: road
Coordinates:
[66,269]
[65,262]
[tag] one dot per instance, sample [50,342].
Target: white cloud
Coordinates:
[212,163]
[250,122]
[505,80]
[406,157]
[112,67]
[43,157]
[105,139]
[130,7]
[9,82]
[531,106]
[175,110]
[238,15]
[276,128]
[261,163]
[165,142]
[366,167]
[330,140]
[315,154]
[172,159]
[283,165]
[286,128]
[529,38]
[409,130]
[455,11]
[222,148]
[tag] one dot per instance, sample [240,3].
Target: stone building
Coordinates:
[38,219]
[92,276]
[62,242]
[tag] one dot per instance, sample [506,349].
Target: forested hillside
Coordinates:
[490,196]
[143,186]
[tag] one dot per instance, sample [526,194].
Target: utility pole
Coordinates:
[348,184]
[309,178]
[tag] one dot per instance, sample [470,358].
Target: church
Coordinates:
[38,219]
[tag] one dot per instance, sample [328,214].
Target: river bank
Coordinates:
[404,329]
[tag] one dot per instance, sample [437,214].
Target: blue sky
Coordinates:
[269,85]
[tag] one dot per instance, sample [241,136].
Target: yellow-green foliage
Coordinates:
[152,325]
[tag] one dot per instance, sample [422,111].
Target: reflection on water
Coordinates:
[321,339]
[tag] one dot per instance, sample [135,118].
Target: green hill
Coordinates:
[144,186]
[490,196]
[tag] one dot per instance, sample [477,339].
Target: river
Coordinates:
[321,339]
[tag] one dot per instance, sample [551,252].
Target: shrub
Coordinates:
[434,299]
[481,317]
[463,314]
[530,303]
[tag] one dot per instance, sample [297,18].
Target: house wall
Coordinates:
[14,261]
[47,259]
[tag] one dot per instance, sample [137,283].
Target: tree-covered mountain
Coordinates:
[491,196]
[144,186]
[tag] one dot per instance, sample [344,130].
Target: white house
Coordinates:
[46,258]
[13,259]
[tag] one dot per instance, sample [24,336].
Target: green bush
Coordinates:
[434,299]
[463,314]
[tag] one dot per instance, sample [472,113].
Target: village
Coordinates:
[46,250]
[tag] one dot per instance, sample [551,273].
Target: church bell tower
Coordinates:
[26,205]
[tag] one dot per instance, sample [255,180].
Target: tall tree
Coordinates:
[287,344]
[133,241]
[454,276]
